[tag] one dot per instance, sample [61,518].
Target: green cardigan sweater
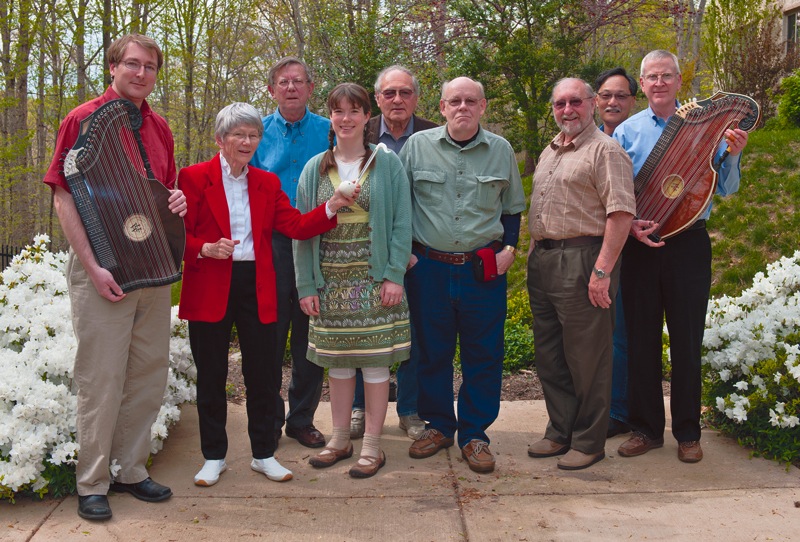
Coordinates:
[389,222]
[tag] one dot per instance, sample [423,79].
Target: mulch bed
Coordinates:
[520,386]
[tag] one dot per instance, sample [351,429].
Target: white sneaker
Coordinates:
[209,474]
[272,469]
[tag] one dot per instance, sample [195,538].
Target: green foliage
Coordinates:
[789,105]
[757,431]
[741,49]
[760,222]
[518,333]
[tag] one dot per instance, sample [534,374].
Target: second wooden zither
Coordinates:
[679,177]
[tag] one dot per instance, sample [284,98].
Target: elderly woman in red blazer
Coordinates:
[228,279]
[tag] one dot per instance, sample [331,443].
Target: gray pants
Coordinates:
[573,345]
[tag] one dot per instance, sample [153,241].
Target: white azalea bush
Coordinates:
[752,362]
[38,401]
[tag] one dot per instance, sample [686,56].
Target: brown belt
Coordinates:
[453,258]
[581,241]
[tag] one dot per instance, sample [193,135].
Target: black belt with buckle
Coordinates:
[581,241]
[453,258]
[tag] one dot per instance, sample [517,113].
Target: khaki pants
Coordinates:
[121,367]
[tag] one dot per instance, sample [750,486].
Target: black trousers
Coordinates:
[305,388]
[210,342]
[671,282]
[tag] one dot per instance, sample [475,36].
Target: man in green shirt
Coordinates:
[466,196]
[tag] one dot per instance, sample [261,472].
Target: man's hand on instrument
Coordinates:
[177,202]
[221,250]
[640,229]
[736,139]
[105,284]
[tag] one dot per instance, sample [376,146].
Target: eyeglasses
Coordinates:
[390,93]
[573,102]
[135,66]
[242,137]
[456,102]
[606,96]
[654,77]
[298,83]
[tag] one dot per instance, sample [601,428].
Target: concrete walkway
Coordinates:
[728,496]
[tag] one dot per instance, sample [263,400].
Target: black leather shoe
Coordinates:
[146,490]
[616,427]
[308,436]
[94,507]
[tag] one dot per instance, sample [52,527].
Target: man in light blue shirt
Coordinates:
[669,279]
[292,136]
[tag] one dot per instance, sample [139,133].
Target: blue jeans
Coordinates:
[447,305]
[619,380]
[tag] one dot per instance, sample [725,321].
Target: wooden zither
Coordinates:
[679,177]
[123,207]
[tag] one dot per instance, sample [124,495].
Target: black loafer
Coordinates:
[146,490]
[94,507]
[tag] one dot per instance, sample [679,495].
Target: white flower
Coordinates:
[37,351]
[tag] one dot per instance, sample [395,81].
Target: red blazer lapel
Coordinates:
[215,196]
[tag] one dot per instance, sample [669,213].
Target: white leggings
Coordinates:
[372,375]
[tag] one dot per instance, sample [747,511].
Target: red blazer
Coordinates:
[206,281]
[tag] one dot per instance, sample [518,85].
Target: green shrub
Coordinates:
[789,106]
[518,333]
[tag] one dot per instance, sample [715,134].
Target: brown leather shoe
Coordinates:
[330,456]
[547,448]
[478,456]
[367,466]
[575,460]
[690,451]
[639,444]
[307,435]
[430,442]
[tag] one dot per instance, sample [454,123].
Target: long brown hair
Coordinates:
[357,96]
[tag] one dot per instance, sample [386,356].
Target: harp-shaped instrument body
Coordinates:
[679,177]
[124,209]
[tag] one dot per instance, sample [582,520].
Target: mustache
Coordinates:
[612,109]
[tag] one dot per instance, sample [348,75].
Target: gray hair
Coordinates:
[282,63]
[659,54]
[589,89]
[480,86]
[235,115]
[398,68]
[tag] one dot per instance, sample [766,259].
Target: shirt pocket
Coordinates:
[490,191]
[429,186]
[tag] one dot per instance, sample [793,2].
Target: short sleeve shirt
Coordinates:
[578,184]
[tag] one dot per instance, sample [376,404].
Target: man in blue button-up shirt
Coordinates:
[669,279]
[292,136]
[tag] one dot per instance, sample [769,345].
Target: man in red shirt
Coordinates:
[122,358]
